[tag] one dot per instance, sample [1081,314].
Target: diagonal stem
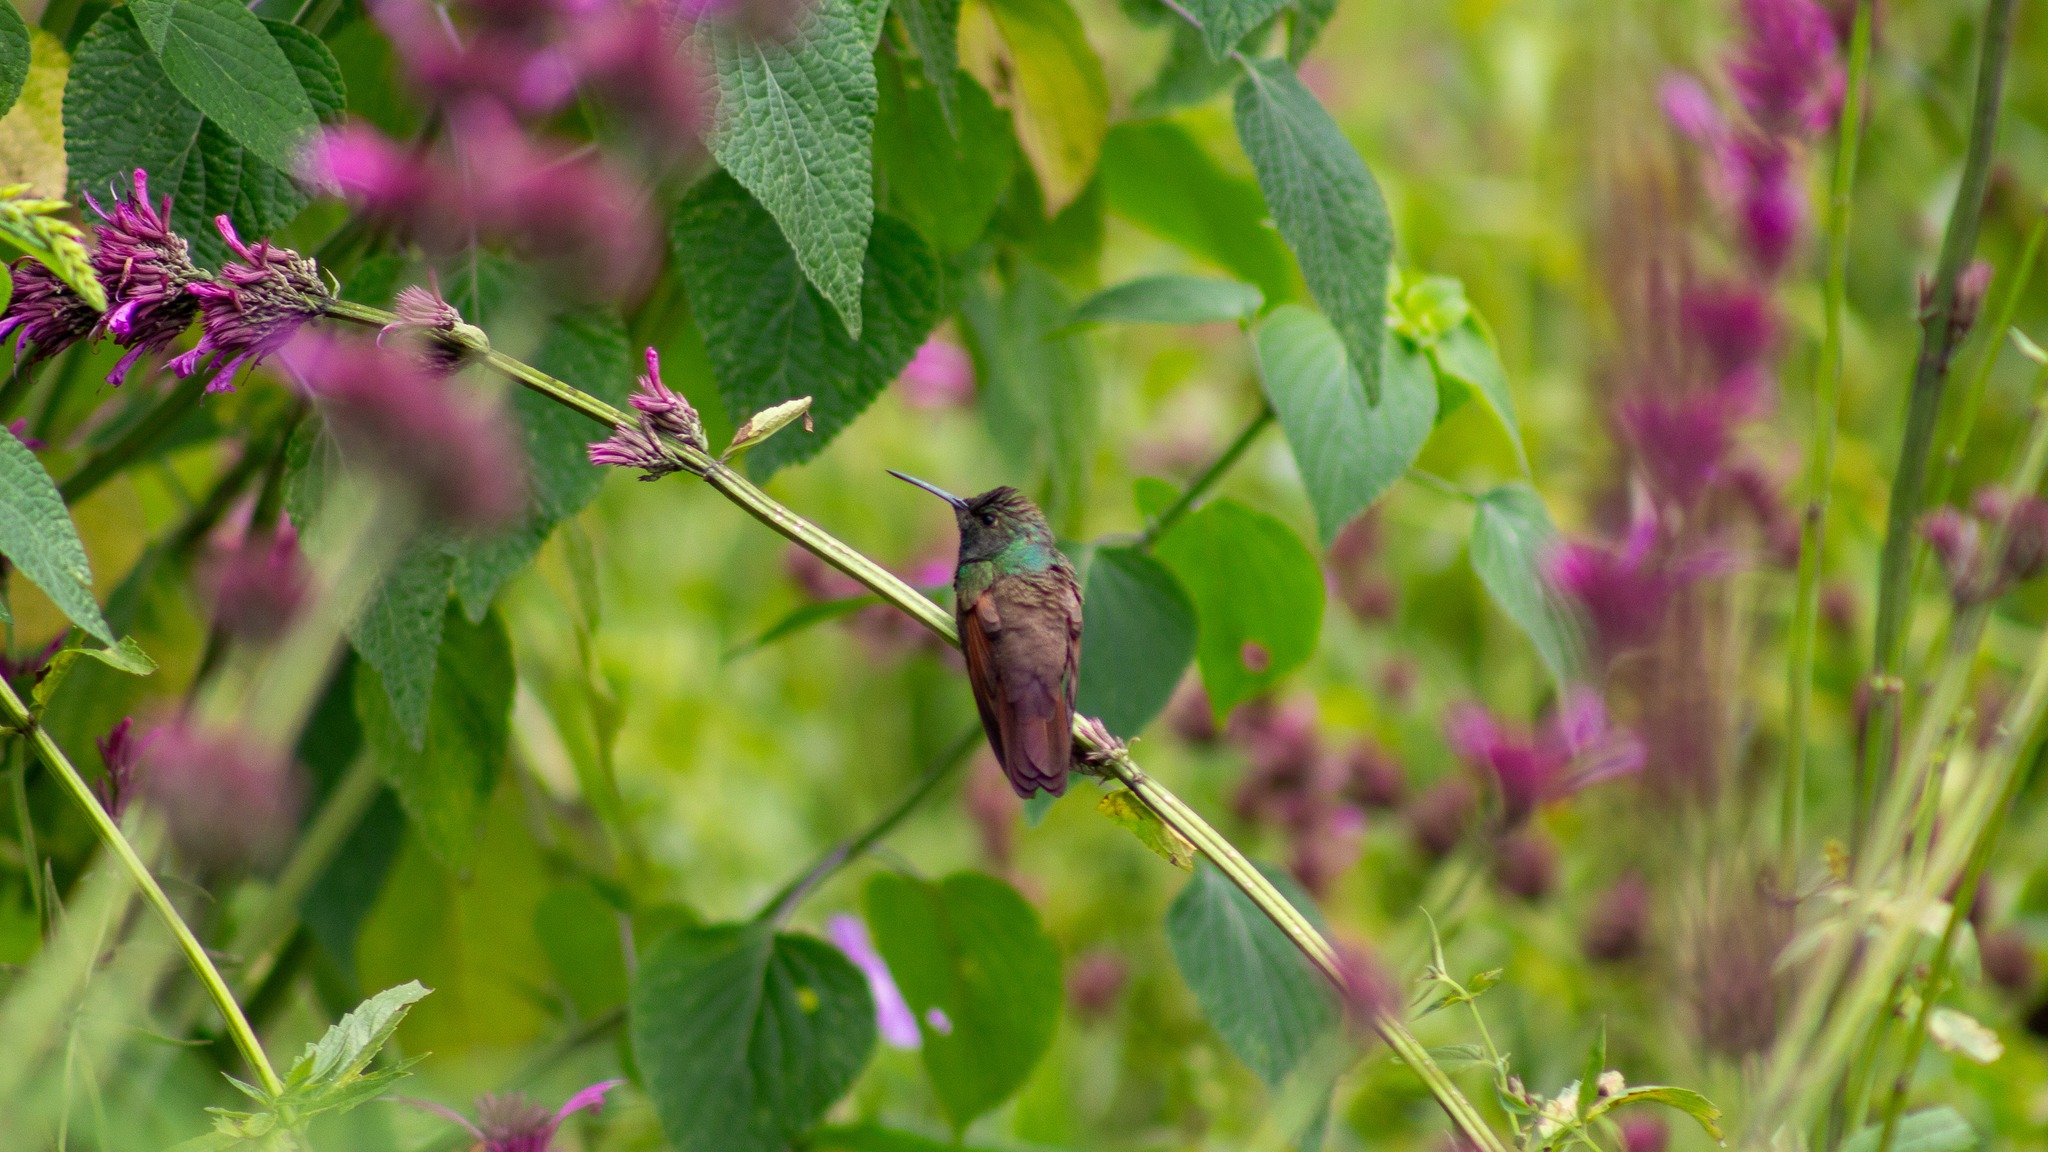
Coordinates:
[1938,337]
[892,588]
[1175,512]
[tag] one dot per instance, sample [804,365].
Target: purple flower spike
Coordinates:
[228,800]
[893,1017]
[1788,74]
[119,750]
[1770,205]
[252,311]
[666,411]
[45,312]
[513,1123]
[148,273]
[1681,442]
[259,585]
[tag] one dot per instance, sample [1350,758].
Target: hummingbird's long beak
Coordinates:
[934,489]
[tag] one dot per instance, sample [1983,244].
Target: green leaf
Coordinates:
[1684,1099]
[220,57]
[744,1036]
[586,348]
[127,656]
[945,185]
[1940,1129]
[801,618]
[1188,75]
[1225,22]
[1160,178]
[1465,358]
[580,933]
[1307,26]
[794,125]
[1254,985]
[1511,534]
[314,64]
[1324,202]
[1171,300]
[1056,92]
[1137,637]
[982,975]
[30,223]
[1258,594]
[770,335]
[872,1137]
[14,56]
[446,783]
[32,132]
[347,1047]
[1589,1080]
[1125,810]
[1038,387]
[399,632]
[934,27]
[37,536]
[1349,452]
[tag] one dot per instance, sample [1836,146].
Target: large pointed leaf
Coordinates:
[934,27]
[1258,594]
[1349,453]
[1511,534]
[794,126]
[1325,204]
[220,57]
[1158,176]
[1137,637]
[982,975]
[745,1036]
[399,632]
[14,56]
[1225,22]
[772,338]
[1254,985]
[37,537]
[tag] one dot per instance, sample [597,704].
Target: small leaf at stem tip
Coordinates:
[1127,810]
[767,422]
[1961,1034]
[2027,347]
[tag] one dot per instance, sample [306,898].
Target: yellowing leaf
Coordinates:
[1127,810]
[32,132]
[768,421]
[1034,59]
[1960,1033]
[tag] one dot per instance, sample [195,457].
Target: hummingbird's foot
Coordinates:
[1101,748]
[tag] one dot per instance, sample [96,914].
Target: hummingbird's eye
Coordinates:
[989,519]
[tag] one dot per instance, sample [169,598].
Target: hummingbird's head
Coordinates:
[991,522]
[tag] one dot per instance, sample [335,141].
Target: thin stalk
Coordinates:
[1944,950]
[1820,453]
[17,715]
[1938,334]
[154,424]
[258,944]
[1958,436]
[892,588]
[1164,522]
[854,847]
[31,855]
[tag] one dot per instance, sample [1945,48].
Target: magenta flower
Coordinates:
[462,463]
[1094,980]
[227,800]
[44,312]
[148,273]
[119,750]
[1691,110]
[1644,1133]
[893,1017]
[1619,920]
[1576,749]
[665,410]
[1525,864]
[1732,329]
[1770,204]
[367,168]
[258,303]
[260,584]
[1788,75]
[1680,442]
[1437,818]
[512,1123]
[1622,590]
[941,375]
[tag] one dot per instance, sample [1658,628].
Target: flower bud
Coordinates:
[1618,922]
[119,750]
[1094,982]
[259,585]
[443,340]
[1525,865]
[228,802]
[1438,817]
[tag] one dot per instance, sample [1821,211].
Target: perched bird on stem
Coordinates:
[1018,607]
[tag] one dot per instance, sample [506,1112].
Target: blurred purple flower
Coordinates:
[1437,818]
[935,1017]
[119,750]
[1325,838]
[1094,981]
[2026,540]
[361,164]
[227,800]
[634,58]
[432,330]
[1954,536]
[1373,777]
[2007,959]
[512,1123]
[1680,442]
[1369,992]
[1732,328]
[1525,864]
[260,584]
[34,664]
[1691,110]
[44,311]
[1788,74]
[148,274]
[463,463]
[259,302]
[1625,589]
[1574,750]
[893,1017]
[1644,1133]
[1770,202]
[941,375]
[18,428]
[1619,920]
[1735,974]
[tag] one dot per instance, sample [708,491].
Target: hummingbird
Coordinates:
[1017,605]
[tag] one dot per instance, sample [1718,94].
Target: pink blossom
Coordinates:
[359,163]
[44,312]
[1577,748]
[1679,441]
[1094,981]
[148,275]
[1770,201]
[941,375]
[1691,110]
[1622,590]
[257,304]
[227,800]
[893,1018]
[1732,330]
[260,584]
[1787,74]
[512,1123]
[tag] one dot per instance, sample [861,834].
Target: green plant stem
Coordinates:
[854,847]
[1944,950]
[1820,453]
[259,943]
[25,825]
[1938,335]
[1958,436]
[154,424]
[1178,510]
[892,588]
[17,715]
